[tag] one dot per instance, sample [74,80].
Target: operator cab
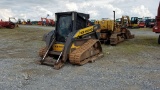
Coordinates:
[67,22]
[134,20]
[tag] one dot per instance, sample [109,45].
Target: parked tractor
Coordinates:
[7,24]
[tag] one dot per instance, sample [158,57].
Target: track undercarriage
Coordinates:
[115,37]
[88,52]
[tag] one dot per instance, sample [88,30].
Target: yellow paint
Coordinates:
[73,46]
[58,47]
[24,23]
[134,25]
[105,24]
[84,31]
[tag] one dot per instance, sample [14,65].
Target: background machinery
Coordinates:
[7,24]
[118,20]
[112,32]
[47,22]
[156,28]
[21,21]
[131,23]
[71,40]
[141,24]
[13,20]
[28,22]
[134,22]
[125,21]
[150,23]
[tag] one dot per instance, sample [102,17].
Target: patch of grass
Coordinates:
[133,46]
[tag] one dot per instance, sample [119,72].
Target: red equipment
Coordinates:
[156,28]
[141,24]
[51,22]
[28,22]
[7,24]
[39,23]
[47,22]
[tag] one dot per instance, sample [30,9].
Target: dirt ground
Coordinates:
[131,65]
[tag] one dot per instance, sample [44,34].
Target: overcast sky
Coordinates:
[35,9]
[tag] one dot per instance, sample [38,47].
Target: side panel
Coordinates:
[84,31]
[105,24]
[58,47]
[88,30]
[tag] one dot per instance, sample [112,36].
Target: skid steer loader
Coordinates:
[72,40]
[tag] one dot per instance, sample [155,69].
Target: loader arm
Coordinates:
[48,37]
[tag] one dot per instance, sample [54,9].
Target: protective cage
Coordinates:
[67,22]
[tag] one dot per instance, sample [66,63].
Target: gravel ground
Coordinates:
[131,65]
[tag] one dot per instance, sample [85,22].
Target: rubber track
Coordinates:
[75,56]
[42,51]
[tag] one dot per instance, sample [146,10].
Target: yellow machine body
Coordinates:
[105,24]
[84,31]
[73,40]
[134,25]
[58,47]
[113,32]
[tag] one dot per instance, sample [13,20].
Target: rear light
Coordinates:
[155,27]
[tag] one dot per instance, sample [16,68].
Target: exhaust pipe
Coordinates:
[114,20]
